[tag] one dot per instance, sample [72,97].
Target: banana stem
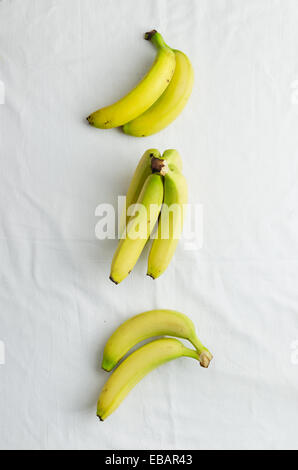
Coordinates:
[160,166]
[156,38]
[191,353]
[205,356]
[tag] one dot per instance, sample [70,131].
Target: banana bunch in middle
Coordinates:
[158,190]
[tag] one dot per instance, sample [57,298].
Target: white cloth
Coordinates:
[62,59]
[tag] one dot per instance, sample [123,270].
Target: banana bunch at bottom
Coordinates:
[157,100]
[158,190]
[139,328]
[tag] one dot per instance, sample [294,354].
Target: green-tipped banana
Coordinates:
[139,228]
[147,325]
[173,157]
[144,94]
[170,222]
[171,103]
[142,172]
[135,367]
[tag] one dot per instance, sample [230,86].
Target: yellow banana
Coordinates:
[171,103]
[170,222]
[147,325]
[139,228]
[142,172]
[134,368]
[144,94]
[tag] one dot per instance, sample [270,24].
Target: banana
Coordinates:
[142,172]
[134,368]
[170,222]
[147,325]
[171,103]
[144,94]
[139,228]
[173,157]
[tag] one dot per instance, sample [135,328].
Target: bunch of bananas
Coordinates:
[155,353]
[157,195]
[157,100]
[157,190]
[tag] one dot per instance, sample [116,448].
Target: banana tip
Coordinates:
[100,419]
[90,120]
[151,275]
[106,365]
[111,279]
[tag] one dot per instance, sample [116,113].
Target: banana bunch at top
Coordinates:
[157,100]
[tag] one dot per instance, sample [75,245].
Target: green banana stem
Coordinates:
[191,353]
[156,38]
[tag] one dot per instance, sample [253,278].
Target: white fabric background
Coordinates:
[59,61]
